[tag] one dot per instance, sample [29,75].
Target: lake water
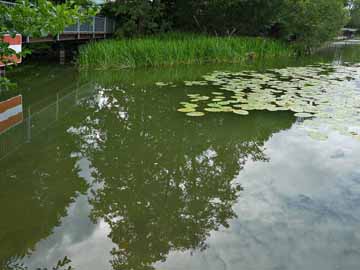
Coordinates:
[103,172]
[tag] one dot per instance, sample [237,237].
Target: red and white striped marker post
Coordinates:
[15,43]
[11,113]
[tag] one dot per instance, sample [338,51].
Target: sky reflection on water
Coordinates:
[299,211]
[124,181]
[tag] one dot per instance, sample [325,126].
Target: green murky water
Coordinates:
[105,172]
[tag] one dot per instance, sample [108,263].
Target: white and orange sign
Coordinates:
[11,113]
[15,44]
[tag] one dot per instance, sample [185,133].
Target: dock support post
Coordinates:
[2,71]
[2,74]
[62,55]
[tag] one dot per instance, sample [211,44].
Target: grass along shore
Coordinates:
[174,49]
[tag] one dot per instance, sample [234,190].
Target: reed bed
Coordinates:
[174,49]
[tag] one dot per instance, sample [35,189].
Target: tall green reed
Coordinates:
[176,48]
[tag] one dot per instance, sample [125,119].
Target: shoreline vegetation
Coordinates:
[176,49]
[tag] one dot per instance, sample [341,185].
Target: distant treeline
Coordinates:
[305,22]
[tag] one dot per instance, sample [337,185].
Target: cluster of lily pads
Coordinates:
[324,97]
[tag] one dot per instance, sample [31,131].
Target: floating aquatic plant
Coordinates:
[186,110]
[318,95]
[195,114]
[241,112]
[192,83]
[317,135]
[213,109]
[304,115]
[162,84]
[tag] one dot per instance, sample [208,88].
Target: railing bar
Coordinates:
[94,19]
[7,3]
[105,27]
[78,28]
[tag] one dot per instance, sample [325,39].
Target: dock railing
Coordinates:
[9,4]
[95,25]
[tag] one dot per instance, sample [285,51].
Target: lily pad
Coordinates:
[304,115]
[186,110]
[213,110]
[191,105]
[161,84]
[312,92]
[241,112]
[195,114]
[318,136]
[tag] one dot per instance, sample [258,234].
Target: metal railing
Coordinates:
[95,25]
[9,4]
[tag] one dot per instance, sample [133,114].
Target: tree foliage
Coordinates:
[354,10]
[36,19]
[138,17]
[227,17]
[312,22]
[40,18]
[309,22]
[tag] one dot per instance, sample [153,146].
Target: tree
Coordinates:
[138,17]
[312,22]
[354,10]
[38,18]
[225,17]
